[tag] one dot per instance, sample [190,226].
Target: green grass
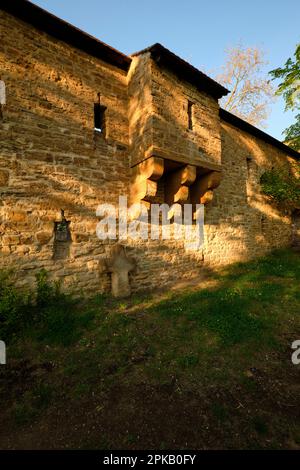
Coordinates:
[260,425]
[216,351]
[220,412]
[46,314]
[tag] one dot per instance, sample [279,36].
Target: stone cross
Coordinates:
[120,265]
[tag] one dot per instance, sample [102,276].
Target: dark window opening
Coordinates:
[190,115]
[249,166]
[99,117]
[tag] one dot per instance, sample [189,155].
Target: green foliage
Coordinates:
[188,360]
[47,314]
[23,413]
[289,88]
[281,186]
[238,311]
[292,134]
[290,74]
[46,291]
[33,402]
[214,348]
[227,313]
[220,412]
[260,425]
[15,307]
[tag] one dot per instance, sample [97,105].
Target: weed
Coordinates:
[220,412]
[260,425]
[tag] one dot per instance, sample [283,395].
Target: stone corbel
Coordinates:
[144,179]
[177,184]
[201,191]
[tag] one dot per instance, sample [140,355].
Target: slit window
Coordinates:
[263,224]
[249,166]
[190,115]
[99,118]
[2,98]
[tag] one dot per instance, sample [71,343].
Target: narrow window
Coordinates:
[2,98]
[263,224]
[190,115]
[250,180]
[249,165]
[99,116]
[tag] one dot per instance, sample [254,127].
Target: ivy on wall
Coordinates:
[282,185]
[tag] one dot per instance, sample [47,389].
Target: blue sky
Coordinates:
[198,31]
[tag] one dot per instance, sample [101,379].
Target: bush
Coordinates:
[46,313]
[47,292]
[281,186]
[15,307]
[53,312]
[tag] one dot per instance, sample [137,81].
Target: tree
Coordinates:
[289,88]
[251,90]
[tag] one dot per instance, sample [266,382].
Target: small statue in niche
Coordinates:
[62,230]
[62,238]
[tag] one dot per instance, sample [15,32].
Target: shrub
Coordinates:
[53,311]
[47,292]
[15,307]
[46,313]
[281,186]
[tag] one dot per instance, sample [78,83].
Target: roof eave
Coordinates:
[245,126]
[184,70]
[64,31]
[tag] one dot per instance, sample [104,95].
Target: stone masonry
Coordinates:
[165,139]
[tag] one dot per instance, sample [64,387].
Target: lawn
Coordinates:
[208,367]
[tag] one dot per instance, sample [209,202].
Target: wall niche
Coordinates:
[62,238]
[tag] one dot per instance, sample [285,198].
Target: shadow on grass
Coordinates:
[45,315]
[209,352]
[245,303]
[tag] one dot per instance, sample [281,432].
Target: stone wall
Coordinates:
[51,156]
[171,135]
[240,221]
[158,112]
[51,159]
[140,110]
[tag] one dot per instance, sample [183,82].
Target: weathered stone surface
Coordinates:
[120,265]
[177,184]
[158,117]
[43,237]
[144,179]
[4,177]
[202,189]
[17,216]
